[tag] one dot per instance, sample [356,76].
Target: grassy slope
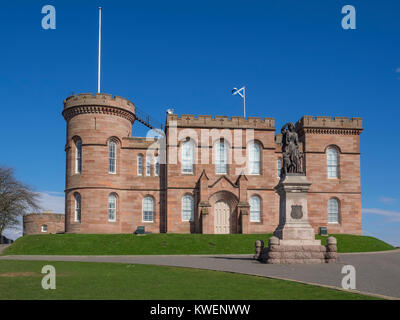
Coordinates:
[122,244]
[82,280]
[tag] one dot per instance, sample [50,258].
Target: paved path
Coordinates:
[376,273]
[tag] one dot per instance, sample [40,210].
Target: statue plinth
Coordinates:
[294,238]
[294,227]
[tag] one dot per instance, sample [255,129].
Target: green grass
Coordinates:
[85,280]
[124,244]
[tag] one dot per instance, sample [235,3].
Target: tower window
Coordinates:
[112,153]
[44,228]
[148,209]
[332,162]
[112,207]
[78,156]
[77,207]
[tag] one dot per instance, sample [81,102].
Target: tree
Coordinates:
[16,199]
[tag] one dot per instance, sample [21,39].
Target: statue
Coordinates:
[291,155]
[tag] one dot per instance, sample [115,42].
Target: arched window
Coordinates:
[44,228]
[112,207]
[332,162]
[78,156]
[187,157]
[156,166]
[187,208]
[333,210]
[77,197]
[112,156]
[254,159]
[221,158]
[148,165]
[255,209]
[148,209]
[140,165]
[279,167]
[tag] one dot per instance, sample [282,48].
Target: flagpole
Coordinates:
[244,101]
[99,60]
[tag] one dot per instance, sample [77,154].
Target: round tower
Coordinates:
[96,126]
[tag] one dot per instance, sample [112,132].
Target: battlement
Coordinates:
[99,99]
[207,121]
[329,122]
[99,103]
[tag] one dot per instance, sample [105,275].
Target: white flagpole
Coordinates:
[98,71]
[244,101]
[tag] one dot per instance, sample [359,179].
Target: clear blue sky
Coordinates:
[293,56]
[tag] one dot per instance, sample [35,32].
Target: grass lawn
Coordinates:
[86,280]
[124,244]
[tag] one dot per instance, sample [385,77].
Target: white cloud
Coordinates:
[393,216]
[387,200]
[54,201]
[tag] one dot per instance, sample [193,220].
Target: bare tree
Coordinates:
[16,199]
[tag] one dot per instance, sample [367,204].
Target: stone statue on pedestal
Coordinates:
[291,155]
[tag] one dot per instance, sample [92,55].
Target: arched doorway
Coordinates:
[222,217]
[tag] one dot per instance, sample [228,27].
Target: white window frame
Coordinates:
[187,157]
[221,158]
[44,228]
[112,157]
[78,156]
[112,207]
[140,165]
[255,212]
[187,206]
[333,209]
[254,163]
[78,207]
[146,209]
[332,163]
[148,165]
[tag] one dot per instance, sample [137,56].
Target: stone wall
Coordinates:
[96,120]
[32,223]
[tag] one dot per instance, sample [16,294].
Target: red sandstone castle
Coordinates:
[204,174]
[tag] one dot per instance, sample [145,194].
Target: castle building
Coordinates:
[204,174]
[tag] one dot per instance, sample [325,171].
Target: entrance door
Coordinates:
[221,218]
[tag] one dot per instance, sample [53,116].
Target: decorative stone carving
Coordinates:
[297,212]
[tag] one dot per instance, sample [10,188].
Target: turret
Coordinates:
[96,126]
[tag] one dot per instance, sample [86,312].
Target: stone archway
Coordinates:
[224,213]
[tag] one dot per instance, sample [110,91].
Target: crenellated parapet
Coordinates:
[100,103]
[206,121]
[329,125]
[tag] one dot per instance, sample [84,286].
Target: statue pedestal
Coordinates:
[294,238]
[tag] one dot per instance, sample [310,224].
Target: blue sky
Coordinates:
[293,56]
